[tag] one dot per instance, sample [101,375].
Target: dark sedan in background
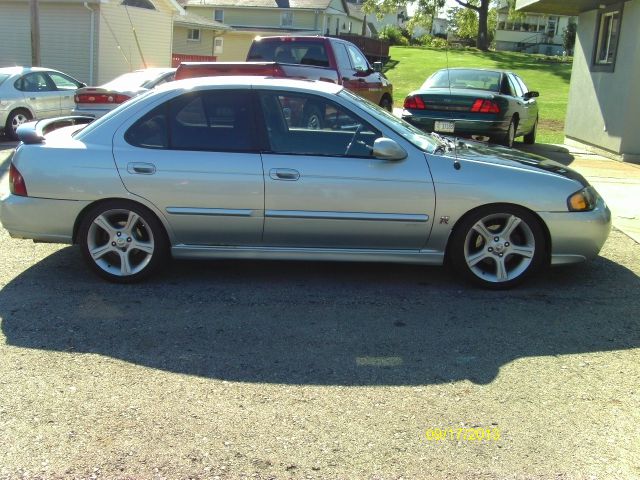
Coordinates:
[487,105]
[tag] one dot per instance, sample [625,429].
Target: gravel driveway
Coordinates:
[310,370]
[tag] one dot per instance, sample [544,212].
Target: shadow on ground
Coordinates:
[314,323]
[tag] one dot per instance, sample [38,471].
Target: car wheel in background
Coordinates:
[14,120]
[386,103]
[312,118]
[122,241]
[530,138]
[497,246]
[510,136]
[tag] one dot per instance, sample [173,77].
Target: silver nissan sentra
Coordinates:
[232,167]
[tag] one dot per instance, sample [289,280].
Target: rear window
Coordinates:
[462,78]
[299,52]
[3,77]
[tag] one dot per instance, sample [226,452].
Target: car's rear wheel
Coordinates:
[312,118]
[530,138]
[510,136]
[122,241]
[14,120]
[386,103]
[498,246]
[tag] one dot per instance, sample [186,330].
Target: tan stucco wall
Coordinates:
[154,30]
[603,106]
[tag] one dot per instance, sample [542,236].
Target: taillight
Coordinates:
[414,102]
[485,106]
[100,98]
[16,182]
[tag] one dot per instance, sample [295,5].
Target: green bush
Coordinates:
[393,35]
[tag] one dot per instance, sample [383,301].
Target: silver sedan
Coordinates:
[227,168]
[28,93]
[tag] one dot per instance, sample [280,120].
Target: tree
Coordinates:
[569,36]
[431,7]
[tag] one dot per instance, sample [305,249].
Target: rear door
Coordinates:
[40,94]
[195,158]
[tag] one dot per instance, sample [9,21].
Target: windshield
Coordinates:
[465,79]
[3,77]
[132,81]
[424,141]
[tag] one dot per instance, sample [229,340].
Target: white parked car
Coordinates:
[28,93]
[97,101]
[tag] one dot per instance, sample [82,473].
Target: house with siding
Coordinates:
[251,18]
[196,38]
[531,32]
[92,40]
[603,105]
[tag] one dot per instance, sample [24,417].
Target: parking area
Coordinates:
[310,370]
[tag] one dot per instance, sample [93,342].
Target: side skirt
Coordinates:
[426,257]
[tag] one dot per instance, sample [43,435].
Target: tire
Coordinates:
[14,120]
[498,246]
[312,118]
[122,241]
[530,138]
[386,103]
[510,136]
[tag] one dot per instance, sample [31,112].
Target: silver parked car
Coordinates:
[28,93]
[97,101]
[226,167]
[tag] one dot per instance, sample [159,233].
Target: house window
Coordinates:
[286,19]
[607,35]
[193,34]
[139,3]
[218,15]
[218,45]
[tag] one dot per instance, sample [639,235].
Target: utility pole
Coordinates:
[35,33]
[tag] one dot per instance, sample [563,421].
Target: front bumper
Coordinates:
[577,236]
[40,219]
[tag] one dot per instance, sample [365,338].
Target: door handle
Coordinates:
[141,168]
[284,174]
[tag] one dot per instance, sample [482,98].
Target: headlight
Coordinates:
[583,201]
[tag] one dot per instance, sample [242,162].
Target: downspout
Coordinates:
[92,41]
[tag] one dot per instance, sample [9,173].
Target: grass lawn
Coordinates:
[410,66]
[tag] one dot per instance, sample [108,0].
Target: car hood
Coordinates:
[509,157]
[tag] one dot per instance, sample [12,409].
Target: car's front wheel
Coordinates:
[498,246]
[122,241]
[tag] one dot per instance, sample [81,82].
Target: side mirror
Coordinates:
[387,149]
[532,94]
[377,66]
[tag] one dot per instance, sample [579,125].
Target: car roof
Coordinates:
[493,70]
[21,70]
[252,81]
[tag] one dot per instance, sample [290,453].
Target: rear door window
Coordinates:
[200,121]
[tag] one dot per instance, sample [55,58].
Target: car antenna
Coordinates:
[456,163]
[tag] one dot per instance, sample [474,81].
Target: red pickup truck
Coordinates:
[313,58]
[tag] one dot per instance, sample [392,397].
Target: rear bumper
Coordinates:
[92,112]
[40,219]
[463,127]
[577,236]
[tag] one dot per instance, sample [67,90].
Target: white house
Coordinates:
[92,40]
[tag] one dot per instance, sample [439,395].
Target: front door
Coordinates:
[323,187]
[194,157]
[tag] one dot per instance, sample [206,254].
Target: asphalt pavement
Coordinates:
[279,370]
